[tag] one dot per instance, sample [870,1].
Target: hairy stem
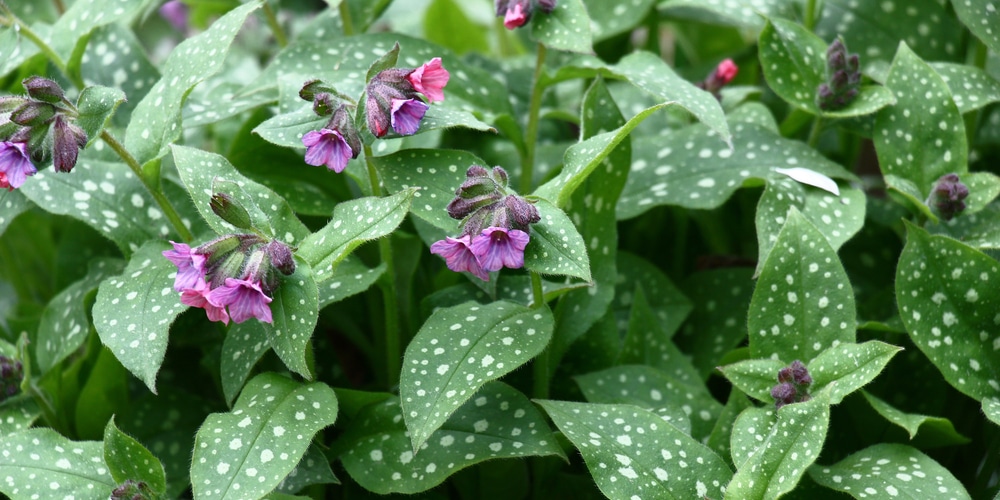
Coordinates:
[531,133]
[276,29]
[393,347]
[345,18]
[811,15]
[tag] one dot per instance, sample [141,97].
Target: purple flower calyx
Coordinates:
[948,196]
[793,385]
[393,97]
[844,78]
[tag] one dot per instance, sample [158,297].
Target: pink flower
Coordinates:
[497,247]
[459,257]
[430,79]
[327,147]
[176,13]
[3,182]
[406,115]
[190,266]
[200,296]
[515,17]
[15,164]
[725,72]
[245,299]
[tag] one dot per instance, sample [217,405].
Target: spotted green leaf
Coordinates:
[668,303]
[691,169]
[978,230]
[245,344]
[12,203]
[983,189]
[96,104]
[720,298]
[803,302]
[922,136]
[794,62]
[608,19]
[128,459]
[313,468]
[556,247]
[949,309]
[915,423]
[889,470]
[457,350]
[741,13]
[350,278]
[566,28]
[205,173]
[496,422]
[783,452]
[982,19]
[720,439]
[115,58]
[657,390]
[991,407]
[133,311]
[247,452]
[294,310]
[755,377]
[353,223]
[750,428]
[41,462]
[287,129]
[64,326]
[845,368]
[647,343]
[156,119]
[971,88]
[632,453]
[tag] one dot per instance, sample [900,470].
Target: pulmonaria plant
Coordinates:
[517,13]
[793,385]
[494,225]
[844,78]
[392,97]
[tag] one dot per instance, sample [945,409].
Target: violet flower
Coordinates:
[15,163]
[190,266]
[200,296]
[430,79]
[245,299]
[327,147]
[458,256]
[498,247]
[406,115]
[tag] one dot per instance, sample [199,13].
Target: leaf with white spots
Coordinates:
[41,463]
[647,343]
[991,408]
[803,303]
[669,304]
[18,414]
[978,230]
[245,344]
[749,14]
[350,278]
[720,439]
[608,19]
[689,167]
[657,390]
[632,453]
[972,88]
[556,246]
[785,450]
[313,468]
[115,58]
[247,452]
[128,459]
[845,368]
[717,323]
[106,196]
[205,173]
[982,18]
[889,470]
[567,27]
[750,428]
[916,424]
[497,422]
[12,204]
[983,189]
[354,222]
[755,377]
[457,350]
[96,104]
[295,311]
[922,136]
[949,307]
[64,326]
[156,119]
[133,311]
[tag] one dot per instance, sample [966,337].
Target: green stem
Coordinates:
[28,33]
[60,8]
[272,22]
[531,133]
[345,18]
[981,54]
[817,128]
[540,368]
[158,196]
[393,347]
[810,20]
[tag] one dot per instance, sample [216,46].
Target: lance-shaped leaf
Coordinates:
[949,307]
[96,104]
[567,27]
[935,428]
[647,343]
[133,311]
[497,422]
[115,58]
[720,439]
[17,415]
[313,468]
[803,302]
[128,459]
[13,203]
[457,350]
[982,19]
[794,62]
[991,407]
[41,462]
[755,377]
[750,428]
[978,230]
[717,322]
[350,278]
[556,247]
[156,120]
[247,452]
[632,453]
[788,447]
[353,223]
[294,311]
[845,368]
[245,344]
[205,173]
[971,87]
[887,471]
[748,14]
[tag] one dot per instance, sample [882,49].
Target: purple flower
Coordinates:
[15,164]
[516,16]
[459,257]
[200,296]
[406,115]
[430,79]
[244,298]
[498,247]
[176,13]
[327,147]
[190,266]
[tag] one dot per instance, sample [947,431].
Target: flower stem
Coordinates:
[276,29]
[811,15]
[60,8]
[531,133]
[540,368]
[393,348]
[158,196]
[345,18]
[817,128]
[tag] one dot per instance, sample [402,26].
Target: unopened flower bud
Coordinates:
[33,113]
[783,394]
[342,120]
[215,251]
[67,140]
[131,490]
[800,374]
[230,210]
[313,87]
[43,89]
[281,257]
[500,176]
[11,376]
[948,196]
[324,104]
[521,212]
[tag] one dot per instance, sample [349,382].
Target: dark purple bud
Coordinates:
[67,140]
[342,121]
[43,89]
[547,6]
[783,394]
[853,63]
[33,113]
[500,176]
[11,376]
[522,213]
[949,195]
[281,257]
[800,374]
[377,114]
[131,490]
[230,210]
[839,79]
[836,61]
[785,375]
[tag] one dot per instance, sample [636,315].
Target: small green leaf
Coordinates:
[886,471]
[446,115]
[566,28]
[294,310]
[350,278]
[755,377]
[496,422]
[991,407]
[722,433]
[750,428]
[353,223]
[42,462]
[647,343]
[128,459]
[979,230]
[845,368]
[457,350]
[971,88]
[556,247]
[386,61]
[96,105]
[287,129]
[750,14]
[247,452]
[915,423]
[313,468]
[983,189]
[982,18]
[133,311]
[631,452]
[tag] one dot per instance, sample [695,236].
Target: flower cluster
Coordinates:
[11,376]
[393,101]
[720,77]
[793,385]
[844,78]
[25,123]
[132,490]
[948,196]
[517,13]
[494,225]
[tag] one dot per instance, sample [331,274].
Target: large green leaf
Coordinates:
[982,19]
[247,452]
[115,58]
[556,247]
[916,424]
[741,13]
[294,312]
[457,350]
[888,471]
[128,459]
[566,28]
[845,368]
[971,88]
[608,19]
[243,347]
[42,463]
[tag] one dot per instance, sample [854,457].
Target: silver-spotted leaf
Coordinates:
[128,459]
[556,247]
[845,368]
[41,462]
[294,313]
[889,470]
[982,18]
[567,27]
